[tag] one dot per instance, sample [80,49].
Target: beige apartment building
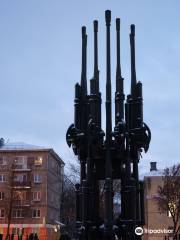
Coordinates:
[154,219]
[30,188]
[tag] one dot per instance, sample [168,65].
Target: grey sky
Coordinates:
[40,61]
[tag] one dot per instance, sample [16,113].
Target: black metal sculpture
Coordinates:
[110,155]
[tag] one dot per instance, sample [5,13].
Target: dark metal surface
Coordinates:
[112,155]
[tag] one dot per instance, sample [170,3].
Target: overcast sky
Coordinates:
[40,61]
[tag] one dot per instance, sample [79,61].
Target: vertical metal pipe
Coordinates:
[96,71]
[84,202]
[77,106]
[84,104]
[108,164]
[133,66]
[108,92]
[141,184]
[84,62]
[96,76]
[118,66]
[119,94]
[82,170]
[95,97]
[78,207]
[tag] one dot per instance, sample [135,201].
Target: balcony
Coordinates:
[22,184]
[21,168]
[21,203]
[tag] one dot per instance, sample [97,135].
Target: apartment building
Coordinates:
[30,189]
[159,224]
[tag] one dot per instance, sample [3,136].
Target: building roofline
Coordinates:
[26,150]
[50,150]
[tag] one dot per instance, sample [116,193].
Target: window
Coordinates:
[169,214]
[36,213]
[20,177]
[17,213]
[36,196]
[19,195]
[2,178]
[37,178]
[2,213]
[18,231]
[2,195]
[20,162]
[171,209]
[38,160]
[2,161]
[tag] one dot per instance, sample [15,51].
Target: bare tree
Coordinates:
[73,173]
[68,203]
[168,198]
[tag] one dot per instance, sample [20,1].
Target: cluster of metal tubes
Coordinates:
[110,155]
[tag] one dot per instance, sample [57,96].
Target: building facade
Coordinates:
[30,190]
[157,224]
